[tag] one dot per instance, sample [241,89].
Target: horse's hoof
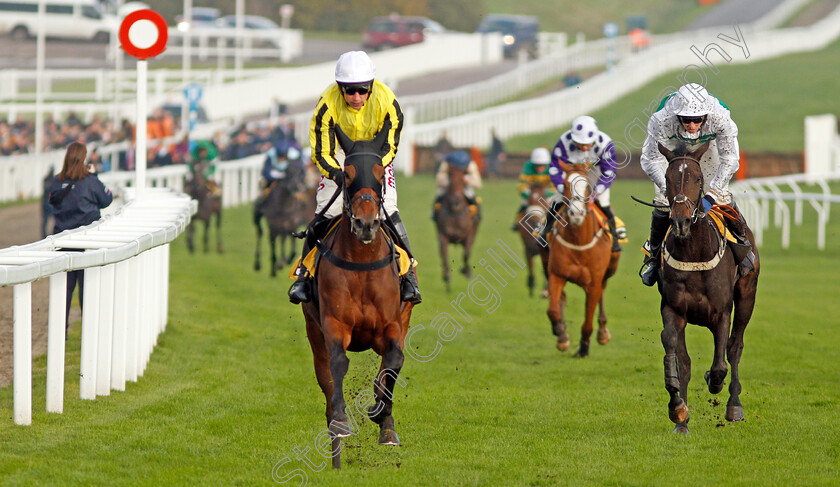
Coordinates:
[679,414]
[257,267]
[604,336]
[581,353]
[340,429]
[714,388]
[563,345]
[681,428]
[389,437]
[734,413]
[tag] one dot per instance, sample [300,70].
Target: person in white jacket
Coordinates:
[693,116]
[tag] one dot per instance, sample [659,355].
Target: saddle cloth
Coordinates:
[310,260]
[717,216]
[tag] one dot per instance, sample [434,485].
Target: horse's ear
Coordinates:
[343,140]
[565,166]
[665,152]
[700,151]
[381,137]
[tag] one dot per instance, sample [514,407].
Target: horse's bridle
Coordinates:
[349,202]
[681,198]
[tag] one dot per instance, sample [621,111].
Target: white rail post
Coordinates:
[118,355]
[90,334]
[22,346]
[133,323]
[106,326]
[56,341]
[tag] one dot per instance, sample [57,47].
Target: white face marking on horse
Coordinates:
[682,167]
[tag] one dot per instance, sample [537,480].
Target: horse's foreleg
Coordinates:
[219,247]
[321,358]
[206,237]
[466,270]
[190,235]
[529,259]
[677,367]
[272,243]
[593,297]
[603,333]
[380,412]
[339,363]
[444,259]
[556,305]
[717,373]
[744,304]
[259,243]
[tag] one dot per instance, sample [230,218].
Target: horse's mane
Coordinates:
[681,149]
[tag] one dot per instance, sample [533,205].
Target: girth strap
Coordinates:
[350,265]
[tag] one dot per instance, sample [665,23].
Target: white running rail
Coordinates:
[125,258]
[754,197]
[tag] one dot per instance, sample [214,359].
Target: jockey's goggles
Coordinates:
[356,89]
[691,119]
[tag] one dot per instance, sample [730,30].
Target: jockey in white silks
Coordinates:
[693,116]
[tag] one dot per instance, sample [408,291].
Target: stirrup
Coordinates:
[409,291]
[649,272]
[301,290]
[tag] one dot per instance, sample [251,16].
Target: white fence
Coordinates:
[126,263]
[755,196]
[559,108]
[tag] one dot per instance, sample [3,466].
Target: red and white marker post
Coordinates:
[143,34]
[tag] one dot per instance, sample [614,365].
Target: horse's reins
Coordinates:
[326,251]
[681,198]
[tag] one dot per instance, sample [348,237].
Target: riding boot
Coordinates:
[436,207]
[742,249]
[301,289]
[519,212]
[556,207]
[616,245]
[473,203]
[659,223]
[607,210]
[409,289]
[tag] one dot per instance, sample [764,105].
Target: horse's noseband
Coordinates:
[362,198]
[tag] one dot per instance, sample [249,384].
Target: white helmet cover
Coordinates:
[354,67]
[540,156]
[692,100]
[584,130]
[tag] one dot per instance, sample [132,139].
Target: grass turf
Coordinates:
[230,395]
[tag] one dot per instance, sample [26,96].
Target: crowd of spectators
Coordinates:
[18,137]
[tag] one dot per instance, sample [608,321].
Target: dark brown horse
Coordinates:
[358,299]
[209,204]
[700,283]
[287,206]
[455,223]
[530,221]
[581,252]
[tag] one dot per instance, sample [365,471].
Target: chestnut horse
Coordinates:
[287,207]
[357,305]
[455,223]
[209,205]
[580,252]
[534,216]
[700,283]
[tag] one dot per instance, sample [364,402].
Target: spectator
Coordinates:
[77,195]
[496,156]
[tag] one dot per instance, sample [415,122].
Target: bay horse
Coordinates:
[455,223]
[287,206]
[357,305]
[700,284]
[209,205]
[580,252]
[534,216]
